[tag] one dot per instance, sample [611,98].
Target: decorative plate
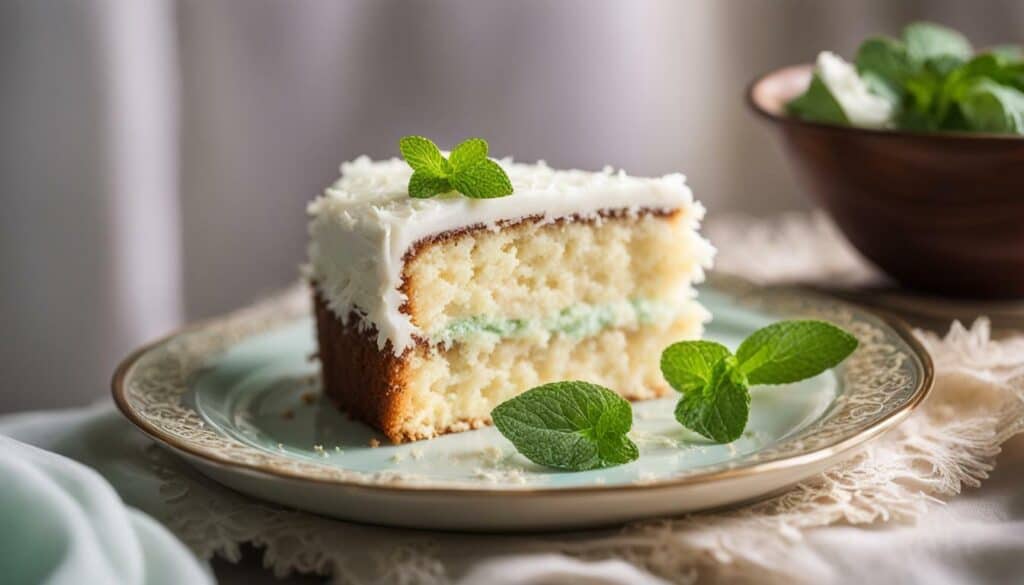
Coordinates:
[238,398]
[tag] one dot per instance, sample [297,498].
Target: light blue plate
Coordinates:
[240,398]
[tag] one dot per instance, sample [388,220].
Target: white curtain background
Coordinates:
[156,156]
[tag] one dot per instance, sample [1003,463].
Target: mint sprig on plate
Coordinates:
[569,425]
[579,426]
[466,170]
[715,383]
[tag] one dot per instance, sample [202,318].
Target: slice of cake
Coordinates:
[431,312]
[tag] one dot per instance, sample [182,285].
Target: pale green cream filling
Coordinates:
[578,321]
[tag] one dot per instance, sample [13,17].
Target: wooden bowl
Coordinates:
[941,212]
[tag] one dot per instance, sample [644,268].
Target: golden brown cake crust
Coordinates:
[366,382]
[359,378]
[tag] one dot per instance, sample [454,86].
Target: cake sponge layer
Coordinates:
[530,271]
[432,390]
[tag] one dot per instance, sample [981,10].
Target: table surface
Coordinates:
[974,539]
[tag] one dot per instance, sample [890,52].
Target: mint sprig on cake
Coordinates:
[467,170]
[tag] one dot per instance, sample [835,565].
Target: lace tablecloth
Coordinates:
[839,527]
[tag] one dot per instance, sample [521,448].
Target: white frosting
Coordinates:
[861,107]
[364,224]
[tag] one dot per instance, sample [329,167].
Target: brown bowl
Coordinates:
[939,212]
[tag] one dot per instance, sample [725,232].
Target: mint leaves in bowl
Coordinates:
[929,80]
[916,150]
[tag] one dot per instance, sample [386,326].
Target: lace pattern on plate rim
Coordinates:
[879,379]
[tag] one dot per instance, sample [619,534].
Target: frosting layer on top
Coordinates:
[364,224]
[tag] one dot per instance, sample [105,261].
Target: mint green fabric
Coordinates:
[64,523]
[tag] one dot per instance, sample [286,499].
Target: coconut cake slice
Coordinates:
[431,312]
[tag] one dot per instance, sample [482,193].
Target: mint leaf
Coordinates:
[990,107]
[468,152]
[423,155]
[998,67]
[790,351]
[569,425]
[886,60]
[926,41]
[942,66]
[719,410]
[960,82]
[483,179]
[923,92]
[688,365]
[817,104]
[423,185]
[616,450]
[1003,65]
[882,88]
